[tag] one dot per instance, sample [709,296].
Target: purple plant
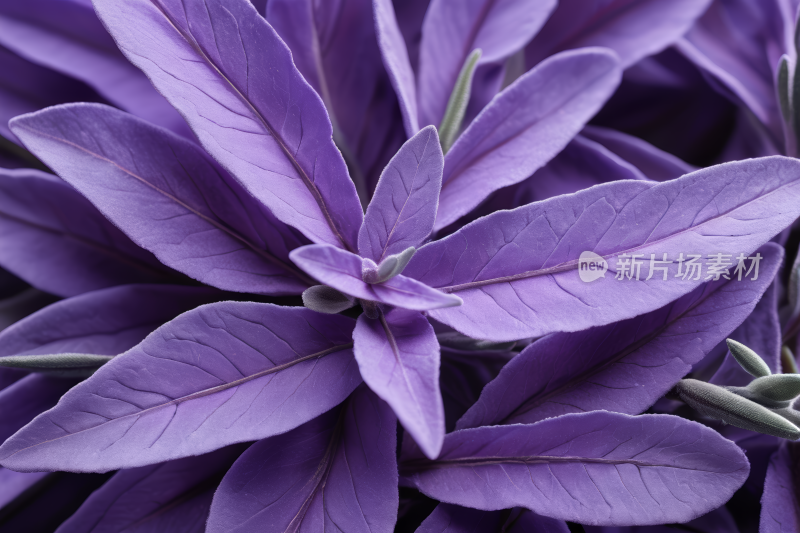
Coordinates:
[501,303]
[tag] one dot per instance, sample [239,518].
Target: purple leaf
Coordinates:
[634,29]
[16,307]
[26,398]
[654,163]
[398,357]
[760,332]
[596,468]
[717,521]
[522,281]
[12,484]
[451,30]
[335,473]
[343,271]
[232,78]
[395,59]
[404,205]
[410,15]
[41,216]
[220,374]
[147,497]
[623,367]
[779,510]
[448,518]
[105,322]
[544,108]
[168,196]
[68,38]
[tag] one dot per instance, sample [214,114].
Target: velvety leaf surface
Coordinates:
[398,357]
[138,498]
[395,59]
[652,162]
[448,518]
[337,472]
[404,205]
[524,127]
[596,468]
[68,38]
[623,367]
[168,196]
[232,78]
[634,29]
[451,30]
[220,374]
[26,398]
[342,270]
[517,270]
[779,510]
[717,521]
[105,322]
[41,216]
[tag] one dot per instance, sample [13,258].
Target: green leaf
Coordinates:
[783,88]
[748,359]
[64,365]
[457,105]
[324,299]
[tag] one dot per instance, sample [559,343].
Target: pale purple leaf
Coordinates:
[597,468]
[452,30]
[517,270]
[623,367]
[447,518]
[68,38]
[634,29]
[395,59]
[779,509]
[232,78]
[524,127]
[220,374]
[146,498]
[105,322]
[168,195]
[41,216]
[343,271]
[335,473]
[404,205]
[398,357]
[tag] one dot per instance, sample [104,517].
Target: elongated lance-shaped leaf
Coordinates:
[448,518]
[160,497]
[40,214]
[721,404]
[220,374]
[101,322]
[598,468]
[232,78]
[399,359]
[523,281]
[783,83]
[625,366]
[336,472]
[788,362]
[393,265]
[457,104]
[168,196]
[62,365]
[451,30]
[749,360]
[779,388]
[544,108]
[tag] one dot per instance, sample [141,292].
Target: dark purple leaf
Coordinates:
[232,78]
[54,239]
[404,205]
[451,30]
[410,15]
[448,518]
[22,304]
[335,473]
[343,271]
[398,357]
[596,468]
[168,195]
[152,497]
[779,509]
[26,398]
[623,367]
[634,29]
[220,374]
[105,322]
[544,108]
[12,484]
[517,270]
[68,38]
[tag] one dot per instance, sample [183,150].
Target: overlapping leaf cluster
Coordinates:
[313,265]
